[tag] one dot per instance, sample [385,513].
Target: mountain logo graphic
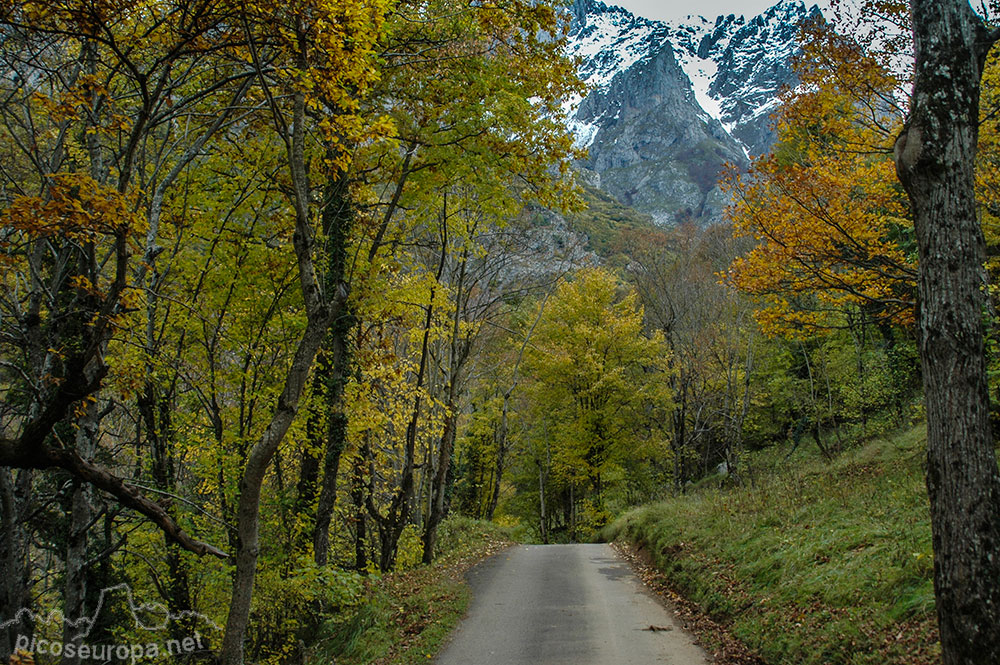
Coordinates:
[152,617]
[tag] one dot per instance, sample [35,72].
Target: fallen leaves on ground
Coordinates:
[724,648]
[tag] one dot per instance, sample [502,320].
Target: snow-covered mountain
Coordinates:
[737,66]
[671,103]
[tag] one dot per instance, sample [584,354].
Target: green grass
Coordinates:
[818,563]
[406,617]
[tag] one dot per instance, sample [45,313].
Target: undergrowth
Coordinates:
[405,617]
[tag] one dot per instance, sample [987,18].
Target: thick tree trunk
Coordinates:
[336,436]
[338,221]
[935,161]
[75,584]
[328,494]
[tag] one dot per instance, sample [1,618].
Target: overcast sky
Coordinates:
[670,9]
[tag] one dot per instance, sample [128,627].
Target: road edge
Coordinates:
[719,643]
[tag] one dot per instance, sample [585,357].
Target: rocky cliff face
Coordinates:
[673,103]
[742,65]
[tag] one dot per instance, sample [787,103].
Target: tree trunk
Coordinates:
[360,522]
[437,507]
[80,520]
[501,439]
[542,517]
[935,158]
[320,313]
[15,543]
[248,509]
[679,441]
[335,440]
[458,353]
[338,222]
[391,525]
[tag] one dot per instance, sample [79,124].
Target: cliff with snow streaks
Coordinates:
[672,103]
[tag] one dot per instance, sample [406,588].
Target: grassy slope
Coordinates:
[819,563]
[407,616]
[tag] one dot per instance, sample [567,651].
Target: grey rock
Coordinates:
[652,145]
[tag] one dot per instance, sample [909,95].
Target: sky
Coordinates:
[671,9]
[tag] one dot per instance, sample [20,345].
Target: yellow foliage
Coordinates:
[76,206]
[597,379]
[21,657]
[831,222]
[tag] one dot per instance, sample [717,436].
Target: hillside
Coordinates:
[813,562]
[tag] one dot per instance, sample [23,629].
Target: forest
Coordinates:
[291,292]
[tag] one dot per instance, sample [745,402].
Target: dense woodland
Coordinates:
[278,298]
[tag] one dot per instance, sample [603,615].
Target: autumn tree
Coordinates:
[830,222]
[712,337]
[90,102]
[246,242]
[78,196]
[598,395]
[474,95]
[123,125]
[325,57]
[834,249]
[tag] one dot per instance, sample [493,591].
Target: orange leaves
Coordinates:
[21,657]
[852,91]
[77,207]
[830,234]
[831,221]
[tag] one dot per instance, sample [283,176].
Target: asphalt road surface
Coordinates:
[572,604]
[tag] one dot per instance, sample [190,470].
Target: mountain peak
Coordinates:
[706,85]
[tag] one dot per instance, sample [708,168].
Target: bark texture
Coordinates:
[935,157]
[319,314]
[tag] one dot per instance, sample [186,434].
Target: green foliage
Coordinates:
[405,617]
[594,375]
[221,168]
[289,606]
[597,388]
[608,224]
[856,378]
[475,459]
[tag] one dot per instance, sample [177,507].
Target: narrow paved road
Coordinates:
[572,604]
